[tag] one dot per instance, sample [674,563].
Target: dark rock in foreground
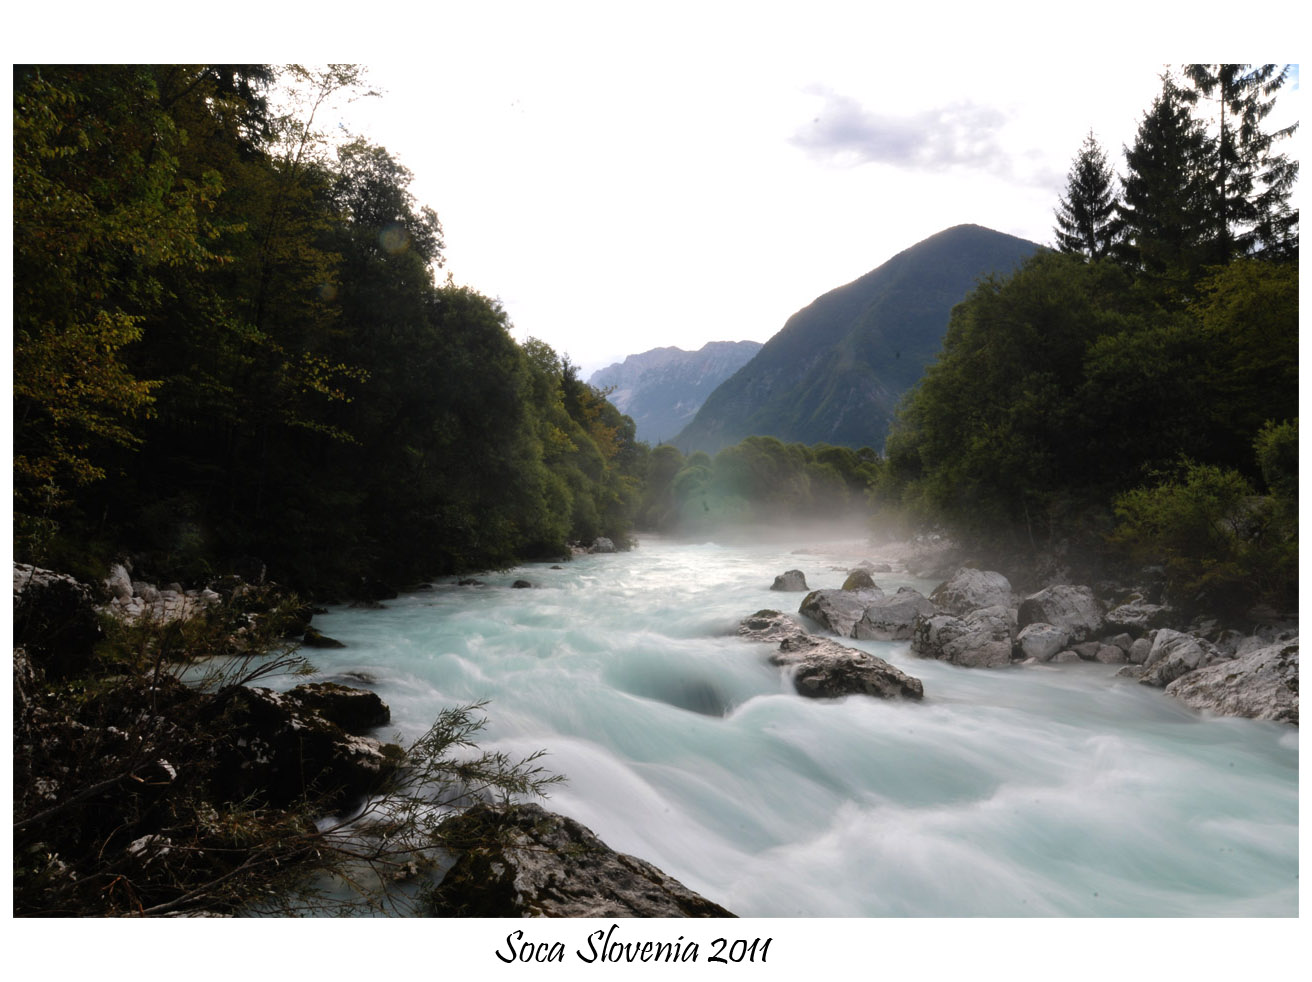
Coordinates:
[545,865]
[279,746]
[825,669]
[54,619]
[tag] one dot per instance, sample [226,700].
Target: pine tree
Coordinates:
[1086,215]
[1252,182]
[1168,201]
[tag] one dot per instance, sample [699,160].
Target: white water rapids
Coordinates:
[1046,790]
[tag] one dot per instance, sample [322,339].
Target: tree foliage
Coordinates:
[231,348]
[1086,212]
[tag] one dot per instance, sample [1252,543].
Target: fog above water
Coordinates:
[1047,790]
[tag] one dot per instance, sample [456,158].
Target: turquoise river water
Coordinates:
[1029,791]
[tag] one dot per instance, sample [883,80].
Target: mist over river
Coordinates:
[1044,790]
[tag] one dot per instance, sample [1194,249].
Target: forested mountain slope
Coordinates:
[837,369]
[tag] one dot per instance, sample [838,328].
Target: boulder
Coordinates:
[1175,654]
[860,579]
[1139,650]
[838,610]
[971,589]
[602,544]
[981,639]
[524,861]
[1137,617]
[355,710]
[522,585]
[825,669]
[55,620]
[769,625]
[314,638]
[792,581]
[1261,684]
[1072,607]
[118,583]
[1042,641]
[892,618]
[276,748]
[1110,654]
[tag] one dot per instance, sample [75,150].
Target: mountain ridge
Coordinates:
[837,368]
[661,389]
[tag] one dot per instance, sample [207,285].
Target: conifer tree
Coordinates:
[1251,181]
[1168,201]
[1086,215]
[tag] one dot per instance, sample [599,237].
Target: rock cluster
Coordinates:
[529,862]
[975,620]
[132,600]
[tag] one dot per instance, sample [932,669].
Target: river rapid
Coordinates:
[1028,791]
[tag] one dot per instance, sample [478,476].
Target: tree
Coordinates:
[1086,213]
[1168,200]
[1251,182]
[102,213]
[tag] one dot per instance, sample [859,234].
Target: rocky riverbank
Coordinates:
[139,794]
[975,619]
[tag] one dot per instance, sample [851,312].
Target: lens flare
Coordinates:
[394,239]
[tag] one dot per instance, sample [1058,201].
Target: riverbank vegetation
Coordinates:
[232,350]
[1134,395]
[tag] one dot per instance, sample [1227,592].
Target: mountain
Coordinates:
[662,389]
[835,372]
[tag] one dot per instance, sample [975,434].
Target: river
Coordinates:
[1028,791]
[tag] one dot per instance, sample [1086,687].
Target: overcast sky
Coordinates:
[622,182]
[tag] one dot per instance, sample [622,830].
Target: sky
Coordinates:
[627,181]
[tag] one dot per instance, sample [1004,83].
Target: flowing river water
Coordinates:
[1028,791]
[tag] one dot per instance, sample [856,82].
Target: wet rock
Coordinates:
[791,581]
[276,748]
[524,861]
[1110,654]
[522,585]
[1260,684]
[314,638]
[981,639]
[769,625]
[1175,654]
[860,579]
[356,711]
[1072,607]
[838,610]
[892,618]
[824,669]
[602,544]
[1042,641]
[971,589]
